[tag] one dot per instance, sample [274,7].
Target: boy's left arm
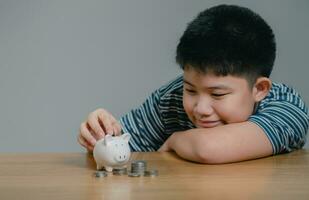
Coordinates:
[223,144]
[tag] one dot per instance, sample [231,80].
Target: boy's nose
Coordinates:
[203,108]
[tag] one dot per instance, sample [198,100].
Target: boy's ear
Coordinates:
[261,88]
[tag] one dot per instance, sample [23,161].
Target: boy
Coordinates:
[224,108]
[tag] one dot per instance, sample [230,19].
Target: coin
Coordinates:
[139,162]
[99,174]
[151,173]
[120,171]
[131,174]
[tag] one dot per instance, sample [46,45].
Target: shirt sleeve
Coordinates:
[145,125]
[285,122]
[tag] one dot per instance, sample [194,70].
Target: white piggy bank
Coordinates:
[112,152]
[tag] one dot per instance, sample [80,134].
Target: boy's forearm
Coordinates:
[224,144]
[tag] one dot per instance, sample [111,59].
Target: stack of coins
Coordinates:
[138,167]
[120,171]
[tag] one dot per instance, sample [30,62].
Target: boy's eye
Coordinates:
[218,95]
[190,91]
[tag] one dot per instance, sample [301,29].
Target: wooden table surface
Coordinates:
[70,176]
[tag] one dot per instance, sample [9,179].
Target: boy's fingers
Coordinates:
[81,141]
[94,124]
[106,122]
[96,136]
[85,134]
[84,143]
[116,131]
[116,126]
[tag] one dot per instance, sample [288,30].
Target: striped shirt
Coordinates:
[282,115]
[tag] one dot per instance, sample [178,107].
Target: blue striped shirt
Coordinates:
[282,115]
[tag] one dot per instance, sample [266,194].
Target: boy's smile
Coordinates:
[211,100]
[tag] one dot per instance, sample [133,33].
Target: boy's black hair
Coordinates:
[228,39]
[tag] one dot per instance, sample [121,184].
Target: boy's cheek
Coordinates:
[188,107]
[187,102]
[234,116]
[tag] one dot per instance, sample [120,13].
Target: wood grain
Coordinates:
[70,176]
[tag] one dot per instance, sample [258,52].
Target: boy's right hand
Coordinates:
[98,124]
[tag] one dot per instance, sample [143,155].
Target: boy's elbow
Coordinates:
[209,154]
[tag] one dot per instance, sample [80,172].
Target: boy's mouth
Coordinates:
[208,124]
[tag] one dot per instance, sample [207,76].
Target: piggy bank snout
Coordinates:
[121,154]
[122,157]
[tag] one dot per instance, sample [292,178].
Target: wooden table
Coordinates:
[70,176]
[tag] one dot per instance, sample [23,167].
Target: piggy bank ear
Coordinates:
[107,139]
[126,137]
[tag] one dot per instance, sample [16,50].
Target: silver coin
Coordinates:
[138,172]
[139,162]
[121,171]
[134,174]
[151,173]
[143,163]
[99,174]
[137,168]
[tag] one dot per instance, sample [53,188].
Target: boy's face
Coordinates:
[211,100]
